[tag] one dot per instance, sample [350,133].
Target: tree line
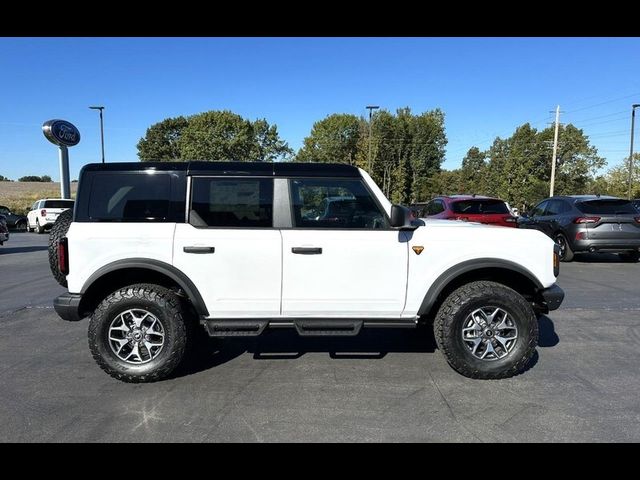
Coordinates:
[28,178]
[402,151]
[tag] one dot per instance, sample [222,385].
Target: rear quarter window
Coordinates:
[129,197]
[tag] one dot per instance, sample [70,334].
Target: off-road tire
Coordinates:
[58,231]
[161,302]
[458,305]
[568,253]
[631,257]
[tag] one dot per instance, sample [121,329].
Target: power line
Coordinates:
[601,116]
[604,103]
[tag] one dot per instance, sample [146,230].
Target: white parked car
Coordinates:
[158,249]
[44,213]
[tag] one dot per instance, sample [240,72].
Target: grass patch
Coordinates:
[18,195]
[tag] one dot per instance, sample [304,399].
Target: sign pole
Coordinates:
[65,185]
[63,134]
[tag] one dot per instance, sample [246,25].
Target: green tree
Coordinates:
[226,136]
[267,144]
[577,160]
[427,150]
[46,178]
[4,179]
[333,139]
[160,143]
[519,167]
[34,178]
[616,180]
[473,171]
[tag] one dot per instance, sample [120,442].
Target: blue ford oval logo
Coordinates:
[61,132]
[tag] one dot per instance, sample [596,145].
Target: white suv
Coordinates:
[44,213]
[157,248]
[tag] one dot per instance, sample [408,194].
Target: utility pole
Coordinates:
[633,119]
[371,108]
[555,151]
[101,129]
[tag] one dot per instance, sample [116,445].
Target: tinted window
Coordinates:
[557,207]
[132,197]
[606,207]
[4,211]
[480,206]
[233,202]
[435,207]
[538,210]
[335,203]
[58,204]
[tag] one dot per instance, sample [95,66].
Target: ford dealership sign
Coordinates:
[61,133]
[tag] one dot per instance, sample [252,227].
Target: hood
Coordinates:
[434,222]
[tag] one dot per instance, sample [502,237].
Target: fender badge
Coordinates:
[417,249]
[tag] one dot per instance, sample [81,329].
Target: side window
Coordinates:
[563,207]
[35,206]
[232,202]
[553,208]
[130,197]
[538,210]
[4,211]
[334,203]
[435,207]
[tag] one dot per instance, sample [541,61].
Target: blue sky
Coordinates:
[485,86]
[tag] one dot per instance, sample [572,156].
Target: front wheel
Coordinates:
[486,330]
[139,333]
[21,226]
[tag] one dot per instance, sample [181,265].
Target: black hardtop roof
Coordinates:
[234,168]
[584,198]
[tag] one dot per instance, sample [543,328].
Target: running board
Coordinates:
[305,327]
[235,328]
[328,328]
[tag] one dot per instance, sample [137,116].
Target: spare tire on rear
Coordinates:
[58,231]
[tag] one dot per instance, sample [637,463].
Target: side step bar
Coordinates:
[327,328]
[235,328]
[305,327]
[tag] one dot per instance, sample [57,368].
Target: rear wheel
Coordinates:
[486,330]
[139,333]
[39,229]
[58,231]
[566,254]
[631,257]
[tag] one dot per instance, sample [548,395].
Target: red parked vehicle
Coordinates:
[468,208]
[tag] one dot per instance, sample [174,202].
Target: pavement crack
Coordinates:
[451,412]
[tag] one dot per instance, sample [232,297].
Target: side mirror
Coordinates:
[400,217]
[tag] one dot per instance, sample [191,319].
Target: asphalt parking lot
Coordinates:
[383,385]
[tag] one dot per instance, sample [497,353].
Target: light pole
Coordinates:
[633,119]
[101,129]
[371,108]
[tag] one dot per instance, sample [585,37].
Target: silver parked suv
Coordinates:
[588,223]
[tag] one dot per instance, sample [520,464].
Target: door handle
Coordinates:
[199,249]
[307,250]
